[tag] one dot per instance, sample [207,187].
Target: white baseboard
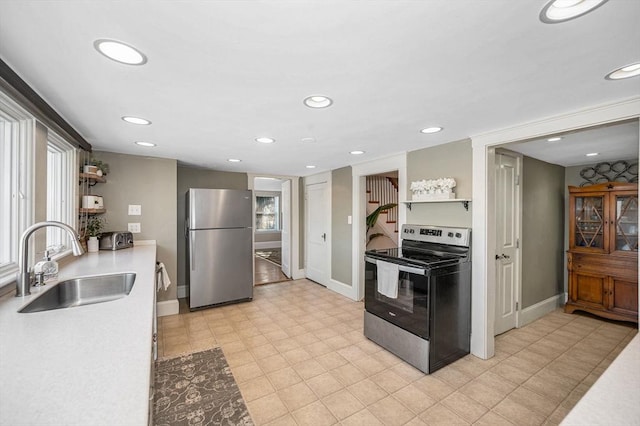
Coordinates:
[540,309]
[182,291]
[268,244]
[296,275]
[167,307]
[342,288]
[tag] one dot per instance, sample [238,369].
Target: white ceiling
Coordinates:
[221,73]
[613,142]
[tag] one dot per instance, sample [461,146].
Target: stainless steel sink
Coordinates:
[83,291]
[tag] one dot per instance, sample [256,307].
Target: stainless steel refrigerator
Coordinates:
[219,264]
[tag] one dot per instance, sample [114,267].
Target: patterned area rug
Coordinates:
[198,389]
[273,255]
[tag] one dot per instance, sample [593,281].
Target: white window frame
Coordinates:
[17,180]
[278,213]
[61,200]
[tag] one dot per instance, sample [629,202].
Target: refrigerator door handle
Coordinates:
[186,228]
[192,238]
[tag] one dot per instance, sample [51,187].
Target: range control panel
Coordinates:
[437,234]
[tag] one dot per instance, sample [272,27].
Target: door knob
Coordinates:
[502,256]
[324,237]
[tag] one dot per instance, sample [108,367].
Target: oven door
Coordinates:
[410,310]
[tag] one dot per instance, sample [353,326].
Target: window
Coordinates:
[61,166]
[6,192]
[267,212]
[16,147]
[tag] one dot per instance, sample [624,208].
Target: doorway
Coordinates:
[272,219]
[484,245]
[359,238]
[382,210]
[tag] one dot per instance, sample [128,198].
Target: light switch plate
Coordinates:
[135,210]
[134,228]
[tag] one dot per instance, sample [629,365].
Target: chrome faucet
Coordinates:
[23,279]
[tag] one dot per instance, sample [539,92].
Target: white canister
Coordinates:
[92,245]
[99,202]
[88,201]
[92,202]
[90,169]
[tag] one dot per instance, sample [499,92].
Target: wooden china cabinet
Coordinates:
[603,250]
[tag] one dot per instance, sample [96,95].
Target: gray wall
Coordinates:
[543,225]
[341,196]
[268,237]
[191,177]
[151,183]
[449,160]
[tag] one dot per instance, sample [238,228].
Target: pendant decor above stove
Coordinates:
[433,189]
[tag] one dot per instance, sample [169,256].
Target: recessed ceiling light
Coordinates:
[563,10]
[431,130]
[234,160]
[307,140]
[357,152]
[265,140]
[120,52]
[592,154]
[628,71]
[136,120]
[311,167]
[555,139]
[317,101]
[145,143]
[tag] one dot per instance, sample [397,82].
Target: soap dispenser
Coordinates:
[47,268]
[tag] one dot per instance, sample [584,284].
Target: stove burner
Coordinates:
[422,257]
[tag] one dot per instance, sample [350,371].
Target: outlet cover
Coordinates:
[135,210]
[134,228]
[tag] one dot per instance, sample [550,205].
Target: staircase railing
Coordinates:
[381,191]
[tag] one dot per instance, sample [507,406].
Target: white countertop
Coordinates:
[87,365]
[613,399]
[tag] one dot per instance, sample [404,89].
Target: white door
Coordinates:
[507,242]
[286,228]
[317,224]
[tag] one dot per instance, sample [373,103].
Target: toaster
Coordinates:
[116,240]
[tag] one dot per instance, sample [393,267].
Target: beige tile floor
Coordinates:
[299,356]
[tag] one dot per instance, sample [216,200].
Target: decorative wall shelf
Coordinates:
[91,179]
[465,202]
[91,211]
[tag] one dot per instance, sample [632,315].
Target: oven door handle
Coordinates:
[401,268]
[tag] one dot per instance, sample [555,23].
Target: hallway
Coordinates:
[267,272]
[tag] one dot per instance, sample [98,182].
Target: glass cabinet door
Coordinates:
[626,220]
[590,222]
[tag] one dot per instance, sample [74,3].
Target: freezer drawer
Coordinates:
[220,266]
